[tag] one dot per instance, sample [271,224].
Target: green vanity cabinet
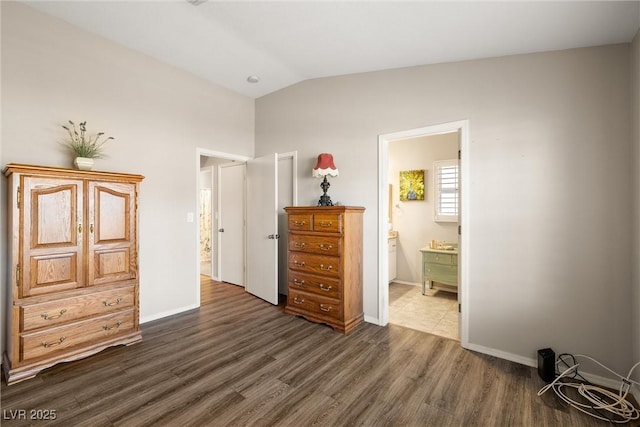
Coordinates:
[439,266]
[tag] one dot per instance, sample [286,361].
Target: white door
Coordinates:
[262,228]
[231,223]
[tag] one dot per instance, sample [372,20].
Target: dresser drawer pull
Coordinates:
[326,308]
[323,268]
[300,263]
[53,344]
[46,316]
[110,304]
[300,245]
[437,257]
[298,301]
[326,248]
[325,223]
[298,282]
[325,287]
[108,328]
[299,222]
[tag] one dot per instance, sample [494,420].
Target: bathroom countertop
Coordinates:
[440,251]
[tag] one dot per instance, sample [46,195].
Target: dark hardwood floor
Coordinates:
[241,361]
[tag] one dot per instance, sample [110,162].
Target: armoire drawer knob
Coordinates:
[46,316]
[110,304]
[53,344]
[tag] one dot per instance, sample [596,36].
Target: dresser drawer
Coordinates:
[324,245]
[447,274]
[314,304]
[438,258]
[35,316]
[325,286]
[319,264]
[301,222]
[57,338]
[331,223]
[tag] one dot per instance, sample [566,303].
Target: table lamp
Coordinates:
[324,167]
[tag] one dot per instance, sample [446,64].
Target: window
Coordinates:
[446,181]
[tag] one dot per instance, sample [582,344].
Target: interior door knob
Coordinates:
[221,230]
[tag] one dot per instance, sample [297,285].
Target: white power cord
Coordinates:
[596,399]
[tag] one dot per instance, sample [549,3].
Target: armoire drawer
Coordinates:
[314,304]
[319,264]
[323,245]
[57,338]
[319,285]
[45,314]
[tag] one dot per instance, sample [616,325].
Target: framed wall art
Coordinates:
[412,185]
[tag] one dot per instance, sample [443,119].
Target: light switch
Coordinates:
[189,216]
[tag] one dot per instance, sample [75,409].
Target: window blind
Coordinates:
[447,180]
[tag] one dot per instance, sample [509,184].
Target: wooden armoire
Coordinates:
[73,261]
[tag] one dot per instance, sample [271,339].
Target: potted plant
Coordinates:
[85,147]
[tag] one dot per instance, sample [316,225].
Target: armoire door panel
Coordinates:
[112,246]
[113,264]
[53,216]
[111,222]
[53,273]
[52,248]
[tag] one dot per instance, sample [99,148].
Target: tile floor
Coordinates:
[436,312]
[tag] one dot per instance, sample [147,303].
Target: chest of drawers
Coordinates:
[325,265]
[439,266]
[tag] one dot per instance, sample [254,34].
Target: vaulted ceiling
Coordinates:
[286,42]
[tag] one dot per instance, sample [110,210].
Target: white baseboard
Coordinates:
[145,319]
[502,354]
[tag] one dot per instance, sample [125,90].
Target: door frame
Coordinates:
[207,153]
[461,126]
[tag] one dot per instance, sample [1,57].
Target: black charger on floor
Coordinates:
[547,364]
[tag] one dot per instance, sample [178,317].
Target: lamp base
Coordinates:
[325,200]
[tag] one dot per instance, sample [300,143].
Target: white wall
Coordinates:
[414,219]
[635,254]
[159,115]
[550,179]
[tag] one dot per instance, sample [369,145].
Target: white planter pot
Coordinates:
[83,163]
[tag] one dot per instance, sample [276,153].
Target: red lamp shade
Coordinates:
[324,166]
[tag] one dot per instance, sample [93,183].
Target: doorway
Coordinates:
[386,201]
[286,189]
[416,181]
